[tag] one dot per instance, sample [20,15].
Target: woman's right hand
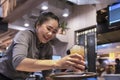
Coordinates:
[73,61]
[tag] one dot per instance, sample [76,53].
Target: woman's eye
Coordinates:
[54,32]
[48,28]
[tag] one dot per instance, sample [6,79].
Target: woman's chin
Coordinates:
[44,41]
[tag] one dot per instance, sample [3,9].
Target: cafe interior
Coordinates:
[94,24]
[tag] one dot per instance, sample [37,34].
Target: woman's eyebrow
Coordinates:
[56,29]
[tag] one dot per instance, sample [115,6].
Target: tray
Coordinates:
[73,75]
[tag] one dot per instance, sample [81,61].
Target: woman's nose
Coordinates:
[50,33]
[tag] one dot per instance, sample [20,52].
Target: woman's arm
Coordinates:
[33,65]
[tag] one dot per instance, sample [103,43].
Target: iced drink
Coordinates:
[77,49]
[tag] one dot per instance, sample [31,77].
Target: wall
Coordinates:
[59,47]
[101,6]
[81,17]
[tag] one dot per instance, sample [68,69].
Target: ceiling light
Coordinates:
[83,2]
[65,12]
[17,27]
[44,6]
[26,23]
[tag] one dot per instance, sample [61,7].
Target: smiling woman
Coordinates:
[31,51]
[47,28]
[30,45]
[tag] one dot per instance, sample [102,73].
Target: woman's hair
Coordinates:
[45,16]
[117,60]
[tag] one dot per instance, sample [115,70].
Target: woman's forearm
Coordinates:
[34,65]
[76,61]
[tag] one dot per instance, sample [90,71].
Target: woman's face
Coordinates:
[47,30]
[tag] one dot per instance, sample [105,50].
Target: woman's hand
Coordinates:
[72,61]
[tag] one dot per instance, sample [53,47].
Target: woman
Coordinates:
[31,51]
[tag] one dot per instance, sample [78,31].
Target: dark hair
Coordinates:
[44,16]
[117,60]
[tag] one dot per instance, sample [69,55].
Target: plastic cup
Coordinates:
[77,49]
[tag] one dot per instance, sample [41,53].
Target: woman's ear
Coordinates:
[37,27]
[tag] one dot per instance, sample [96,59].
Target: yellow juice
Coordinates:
[77,49]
